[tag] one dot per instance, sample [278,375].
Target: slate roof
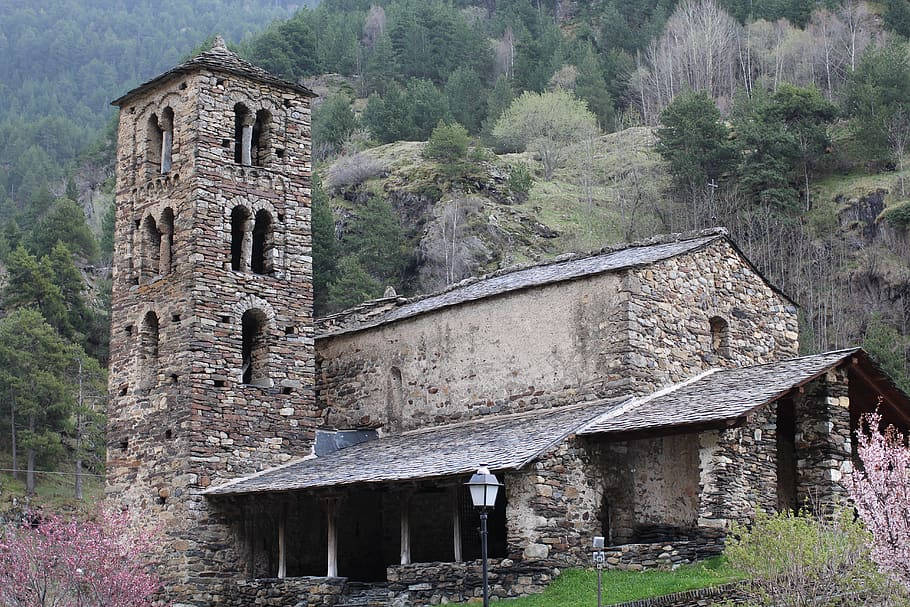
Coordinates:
[716,396]
[566,268]
[217,59]
[507,442]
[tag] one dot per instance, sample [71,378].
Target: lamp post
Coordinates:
[484,486]
[599,559]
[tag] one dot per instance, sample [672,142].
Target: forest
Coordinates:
[752,114]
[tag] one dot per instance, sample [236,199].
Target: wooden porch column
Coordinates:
[405,528]
[456,525]
[331,509]
[282,544]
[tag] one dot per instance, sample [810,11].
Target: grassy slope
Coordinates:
[578,587]
[52,490]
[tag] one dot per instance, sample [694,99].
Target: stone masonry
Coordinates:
[182,417]
[598,336]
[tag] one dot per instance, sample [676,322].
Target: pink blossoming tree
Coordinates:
[881,492]
[59,562]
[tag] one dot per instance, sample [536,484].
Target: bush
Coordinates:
[353,170]
[802,560]
[898,215]
[520,180]
[448,143]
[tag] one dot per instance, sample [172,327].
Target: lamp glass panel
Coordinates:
[490,494]
[477,494]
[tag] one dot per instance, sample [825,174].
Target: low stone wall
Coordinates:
[728,594]
[636,557]
[421,584]
[289,592]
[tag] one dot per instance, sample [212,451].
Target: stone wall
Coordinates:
[648,483]
[823,440]
[602,335]
[289,592]
[180,417]
[518,351]
[672,302]
[422,584]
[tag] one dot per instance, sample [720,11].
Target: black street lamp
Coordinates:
[484,486]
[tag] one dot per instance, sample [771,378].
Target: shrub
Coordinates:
[520,180]
[803,560]
[898,215]
[71,562]
[448,143]
[353,170]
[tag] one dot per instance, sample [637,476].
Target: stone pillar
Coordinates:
[456,526]
[246,141]
[282,544]
[405,500]
[823,444]
[331,511]
[167,142]
[167,242]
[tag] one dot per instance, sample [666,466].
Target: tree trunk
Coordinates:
[30,461]
[79,430]
[12,423]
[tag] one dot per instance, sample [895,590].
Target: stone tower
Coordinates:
[212,355]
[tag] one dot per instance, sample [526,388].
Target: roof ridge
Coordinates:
[505,417]
[268,470]
[657,240]
[641,400]
[795,358]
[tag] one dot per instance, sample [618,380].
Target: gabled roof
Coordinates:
[717,396]
[506,442]
[217,59]
[622,257]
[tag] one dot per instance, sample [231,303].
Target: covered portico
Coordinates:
[396,500]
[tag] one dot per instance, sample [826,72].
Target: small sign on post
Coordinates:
[600,558]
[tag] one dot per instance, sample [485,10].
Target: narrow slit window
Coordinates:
[254,348]
[720,337]
[263,244]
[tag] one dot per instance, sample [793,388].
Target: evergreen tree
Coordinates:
[695,141]
[30,284]
[352,286]
[897,16]
[377,240]
[64,223]
[499,99]
[381,67]
[591,87]
[325,247]
[467,100]
[34,361]
[333,122]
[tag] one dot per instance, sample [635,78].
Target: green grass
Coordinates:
[51,490]
[578,587]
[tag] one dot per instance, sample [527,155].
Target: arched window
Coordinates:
[243,134]
[154,140]
[263,243]
[151,248]
[148,347]
[167,241]
[255,347]
[240,241]
[720,337]
[260,138]
[166,126]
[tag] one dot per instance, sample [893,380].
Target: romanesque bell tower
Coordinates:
[212,356]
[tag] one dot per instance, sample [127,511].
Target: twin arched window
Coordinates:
[157,245]
[252,241]
[160,141]
[252,134]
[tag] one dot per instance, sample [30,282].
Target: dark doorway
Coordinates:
[786,455]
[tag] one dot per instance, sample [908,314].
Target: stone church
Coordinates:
[650,393]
